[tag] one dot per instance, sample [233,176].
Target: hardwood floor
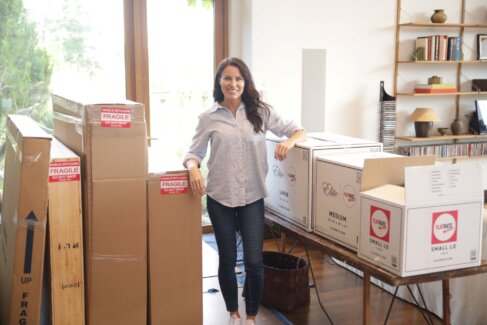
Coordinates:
[340,292]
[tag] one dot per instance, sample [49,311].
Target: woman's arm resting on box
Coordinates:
[195,177]
[283,147]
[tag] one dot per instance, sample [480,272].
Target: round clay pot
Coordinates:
[439,16]
[457,126]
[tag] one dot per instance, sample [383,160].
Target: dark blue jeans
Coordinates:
[249,219]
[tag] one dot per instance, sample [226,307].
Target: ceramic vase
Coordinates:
[439,16]
[457,126]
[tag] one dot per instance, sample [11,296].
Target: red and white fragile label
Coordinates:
[64,171]
[174,184]
[115,117]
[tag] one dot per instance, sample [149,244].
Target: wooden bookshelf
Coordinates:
[444,25]
[458,93]
[461,157]
[458,146]
[442,62]
[443,138]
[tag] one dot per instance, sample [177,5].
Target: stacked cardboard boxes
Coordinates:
[290,182]
[111,139]
[337,196]
[23,225]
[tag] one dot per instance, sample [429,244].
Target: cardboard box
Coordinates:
[432,223]
[65,237]
[23,226]
[290,182]
[337,196]
[110,136]
[175,265]
[342,139]
[113,133]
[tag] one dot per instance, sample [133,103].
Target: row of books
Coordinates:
[438,48]
[435,88]
[445,150]
[387,119]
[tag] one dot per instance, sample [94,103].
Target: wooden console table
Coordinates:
[370,270]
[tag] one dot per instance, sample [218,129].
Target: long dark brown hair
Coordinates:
[250,96]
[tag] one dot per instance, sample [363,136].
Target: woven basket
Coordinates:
[286,281]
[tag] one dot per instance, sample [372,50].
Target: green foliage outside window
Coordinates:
[25,69]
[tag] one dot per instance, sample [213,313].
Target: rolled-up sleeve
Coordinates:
[279,126]
[199,145]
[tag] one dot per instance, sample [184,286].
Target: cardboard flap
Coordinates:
[382,171]
[27,127]
[442,183]
[340,139]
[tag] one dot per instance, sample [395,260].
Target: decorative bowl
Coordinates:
[443,131]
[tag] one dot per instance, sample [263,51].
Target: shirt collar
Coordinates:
[217,106]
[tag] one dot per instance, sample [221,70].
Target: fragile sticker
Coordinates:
[174,184]
[64,171]
[115,117]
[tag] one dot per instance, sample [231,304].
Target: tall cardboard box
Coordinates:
[65,237]
[432,223]
[290,182]
[337,196]
[111,139]
[175,265]
[23,225]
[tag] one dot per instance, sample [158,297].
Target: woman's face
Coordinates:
[232,83]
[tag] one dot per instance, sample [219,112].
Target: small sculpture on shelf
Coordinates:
[423,121]
[443,131]
[435,80]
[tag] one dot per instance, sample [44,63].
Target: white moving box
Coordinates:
[290,182]
[336,202]
[433,223]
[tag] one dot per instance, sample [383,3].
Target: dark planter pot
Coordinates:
[423,129]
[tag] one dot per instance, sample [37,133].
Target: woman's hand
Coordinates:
[196,179]
[283,148]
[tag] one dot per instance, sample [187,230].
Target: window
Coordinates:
[181,47]
[67,47]
[79,46]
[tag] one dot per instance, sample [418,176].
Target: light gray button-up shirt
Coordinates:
[237,166]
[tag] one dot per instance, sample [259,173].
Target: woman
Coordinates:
[236,126]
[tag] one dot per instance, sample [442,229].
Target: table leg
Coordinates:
[366,300]
[283,242]
[446,302]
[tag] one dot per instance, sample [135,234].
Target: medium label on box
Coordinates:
[64,171]
[112,117]
[174,184]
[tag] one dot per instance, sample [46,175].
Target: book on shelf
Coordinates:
[435,88]
[437,48]
[446,150]
[421,49]
[454,48]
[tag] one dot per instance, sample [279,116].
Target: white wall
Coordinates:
[359,39]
